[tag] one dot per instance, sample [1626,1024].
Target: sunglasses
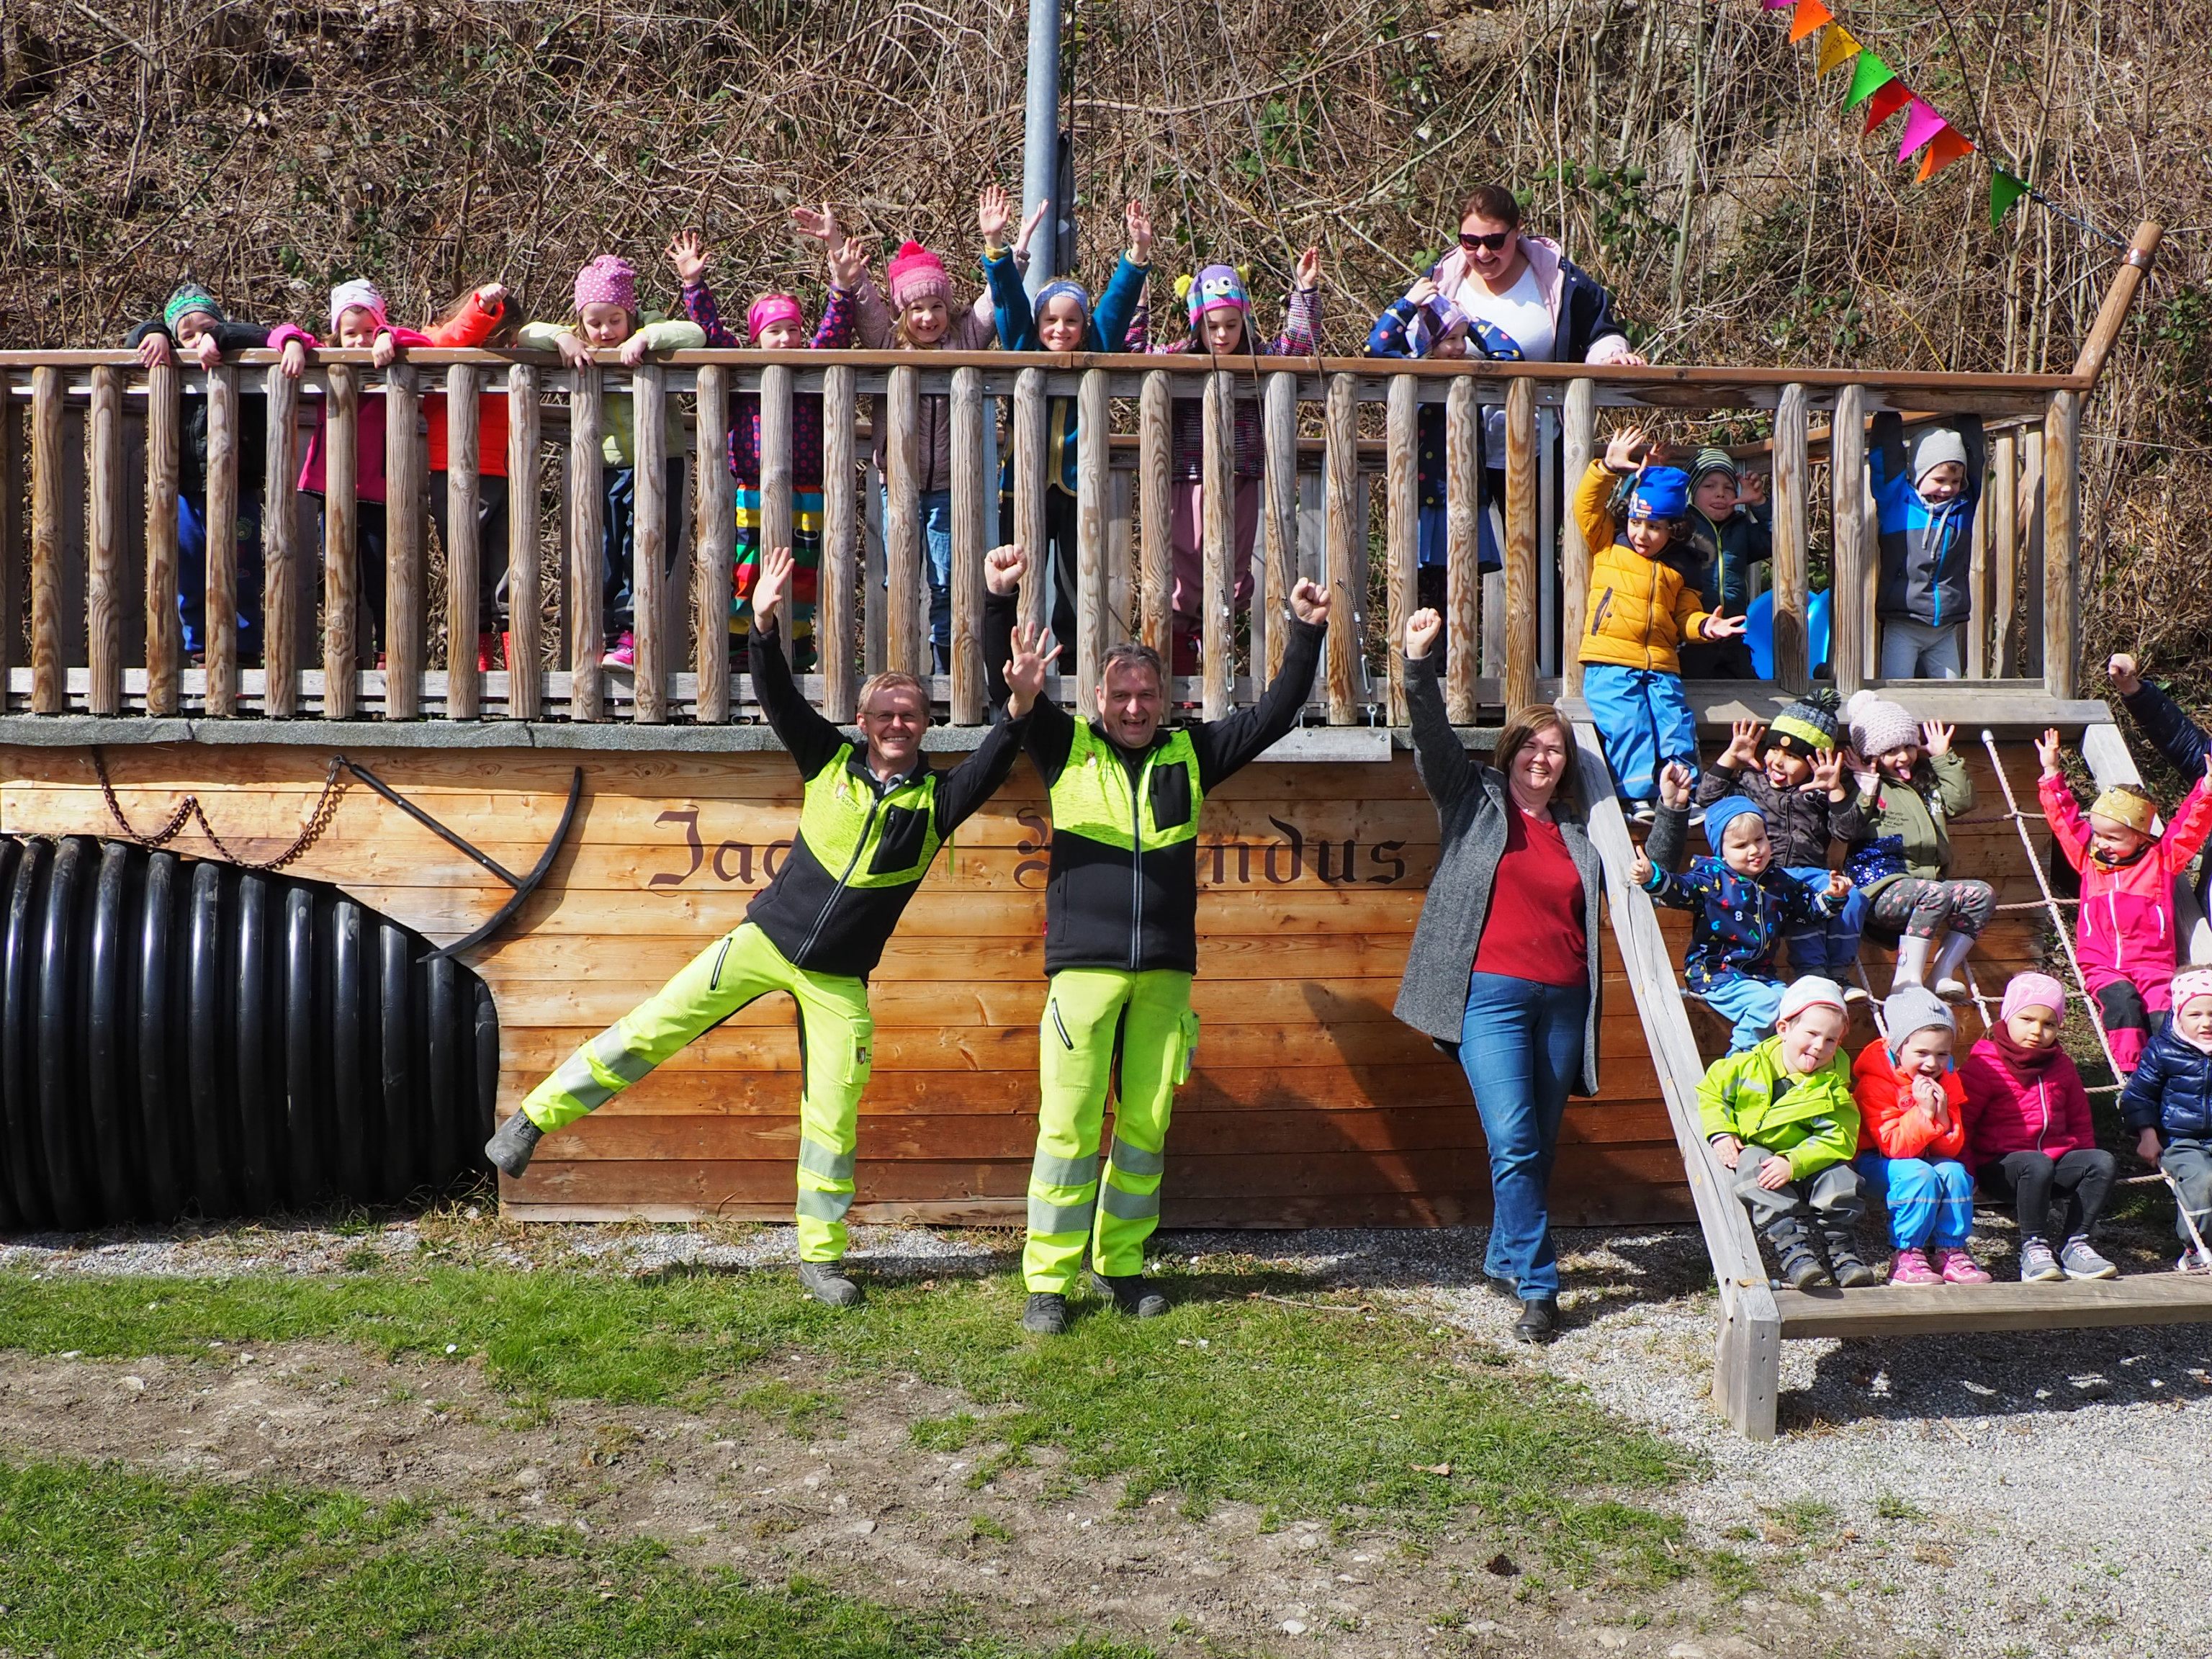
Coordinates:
[1492,243]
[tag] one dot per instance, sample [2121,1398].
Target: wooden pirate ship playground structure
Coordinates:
[304,927]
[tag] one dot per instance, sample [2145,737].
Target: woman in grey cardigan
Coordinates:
[1503,969]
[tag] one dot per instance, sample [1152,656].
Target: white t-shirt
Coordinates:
[1520,311]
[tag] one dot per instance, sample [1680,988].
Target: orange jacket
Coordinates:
[1894,1124]
[472,328]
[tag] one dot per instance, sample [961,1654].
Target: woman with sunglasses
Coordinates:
[1555,312]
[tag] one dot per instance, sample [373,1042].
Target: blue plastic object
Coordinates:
[1758,631]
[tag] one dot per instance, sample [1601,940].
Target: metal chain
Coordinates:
[189,811]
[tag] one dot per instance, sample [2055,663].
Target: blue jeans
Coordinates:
[1929,1202]
[1645,721]
[1521,1046]
[936,509]
[618,542]
[1828,948]
[192,575]
[1749,1004]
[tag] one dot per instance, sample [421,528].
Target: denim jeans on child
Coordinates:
[1644,718]
[1521,1046]
[618,542]
[1830,949]
[192,575]
[1929,1202]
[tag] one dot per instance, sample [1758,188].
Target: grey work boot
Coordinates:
[1132,1294]
[510,1148]
[1045,1314]
[828,1285]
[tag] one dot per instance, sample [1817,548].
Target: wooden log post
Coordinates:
[103,585]
[1156,508]
[2003,498]
[907,643]
[587,506]
[1402,483]
[1217,541]
[219,616]
[2112,315]
[776,510]
[403,561]
[2030,512]
[164,436]
[1121,549]
[1346,557]
[2062,544]
[1030,484]
[1278,426]
[711,546]
[841,545]
[341,538]
[1848,621]
[1791,529]
[464,678]
[970,691]
[280,548]
[1462,549]
[1092,465]
[649,544]
[525,651]
[49,679]
[1978,592]
[1578,443]
[1520,596]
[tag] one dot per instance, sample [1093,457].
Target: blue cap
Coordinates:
[1724,812]
[1661,492]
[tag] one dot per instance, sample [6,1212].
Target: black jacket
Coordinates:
[1801,822]
[252,439]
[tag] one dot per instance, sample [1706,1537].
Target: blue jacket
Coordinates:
[2170,1090]
[1735,923]
[1109,321]
[1925,551]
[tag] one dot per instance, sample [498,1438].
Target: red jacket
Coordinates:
[2126,927]
[2047,1111]
[472,328]
[1891,1122]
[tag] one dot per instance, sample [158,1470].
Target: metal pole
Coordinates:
[1041,140]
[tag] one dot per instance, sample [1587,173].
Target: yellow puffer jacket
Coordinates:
[1638,610]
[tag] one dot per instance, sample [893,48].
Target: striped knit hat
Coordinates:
[1709,461]
[188,298]
[1806,728]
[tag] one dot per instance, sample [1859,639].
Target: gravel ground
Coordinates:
[2001,1495]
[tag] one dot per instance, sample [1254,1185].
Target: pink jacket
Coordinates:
[369,483]
[2126,926]
[2047,1111]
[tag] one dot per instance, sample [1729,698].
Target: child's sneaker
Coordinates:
[1960,1268]
[1851,1272]
[2080,1260]
[1643,811]
[623,653]
[2037,1265]
[1911,1268]
[1801,1264]
[2194,1261]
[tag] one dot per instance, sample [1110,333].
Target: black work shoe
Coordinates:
[510,1148]
[1801,1264]
[1539,1321]
[1851,1272]
[1045,1314]
[1496,1285]
[825,1284]
[1132,1294]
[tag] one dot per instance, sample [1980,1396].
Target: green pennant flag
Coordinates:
[2005,188]
[1869,74]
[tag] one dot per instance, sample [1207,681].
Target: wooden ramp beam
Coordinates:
[1886,1310]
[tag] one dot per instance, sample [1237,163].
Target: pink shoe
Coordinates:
[1960,1268]
[623,653]
[1911,1268]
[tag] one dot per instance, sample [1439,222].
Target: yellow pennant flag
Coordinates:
[1837,47]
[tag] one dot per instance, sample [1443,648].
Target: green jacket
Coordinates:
[1918,816]
[1814,1121]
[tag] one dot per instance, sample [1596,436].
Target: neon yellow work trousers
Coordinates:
[1106,1033]
[835,1036]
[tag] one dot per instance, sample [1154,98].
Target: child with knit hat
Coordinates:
[2168,1103]
[1781,1117]
[777,322]
[1743,904]
[1925,500]
[1220,312]
[1910,784]
[2029,1137]
[1639,612]
[1793,770]
[2125,931]
[1912,1136]
[607,319]
[1730,535]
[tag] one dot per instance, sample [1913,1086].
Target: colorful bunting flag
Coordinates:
[1777,5]
[1922,123]
[1810,14]
[2005,188]
[1892,96]
[1947,146]
[1837,47]
[1869,74]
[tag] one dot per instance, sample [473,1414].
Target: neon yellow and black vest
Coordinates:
[859,856]
[1123,891]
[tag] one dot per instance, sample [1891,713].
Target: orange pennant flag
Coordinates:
[1810,14]
[1837,46]
[1947,146]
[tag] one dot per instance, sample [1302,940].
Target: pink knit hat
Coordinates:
[914,274]
[609,280]
[2191,981]
[2034,991]
[359,295]
[769,310]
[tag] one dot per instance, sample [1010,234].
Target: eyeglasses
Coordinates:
[1492,243]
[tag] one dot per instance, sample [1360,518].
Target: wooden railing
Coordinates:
[95,438]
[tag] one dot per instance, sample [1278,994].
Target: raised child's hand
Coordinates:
[1308,274]
[848,263]
[1828,774]
[1140,233]
[1308,603]
[1003,568]
[993,213]
[2125,674]
[820,223]
[154,350]
[2046,750]
[293,359]
[1028,228]
[1422,631]
[1025,672]
[1625,451]
[1751,489]
[1935,737]
[1743,744]
[689,255]
[1675,783]
[769,587]
[1422,292]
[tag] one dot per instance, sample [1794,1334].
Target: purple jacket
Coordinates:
[833,333]
[1301,328]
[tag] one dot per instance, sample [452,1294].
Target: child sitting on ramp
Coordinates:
[1912,1136]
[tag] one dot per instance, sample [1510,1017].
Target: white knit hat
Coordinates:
[1935,447]
[1878,725]
[1810,992]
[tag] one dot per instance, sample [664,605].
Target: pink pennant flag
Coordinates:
[1777,5]
[1922,123]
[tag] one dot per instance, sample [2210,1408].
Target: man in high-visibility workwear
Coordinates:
[873,819]
[1122,943]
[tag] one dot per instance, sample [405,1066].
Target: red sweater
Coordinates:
[2008,1111]
[1534,929]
